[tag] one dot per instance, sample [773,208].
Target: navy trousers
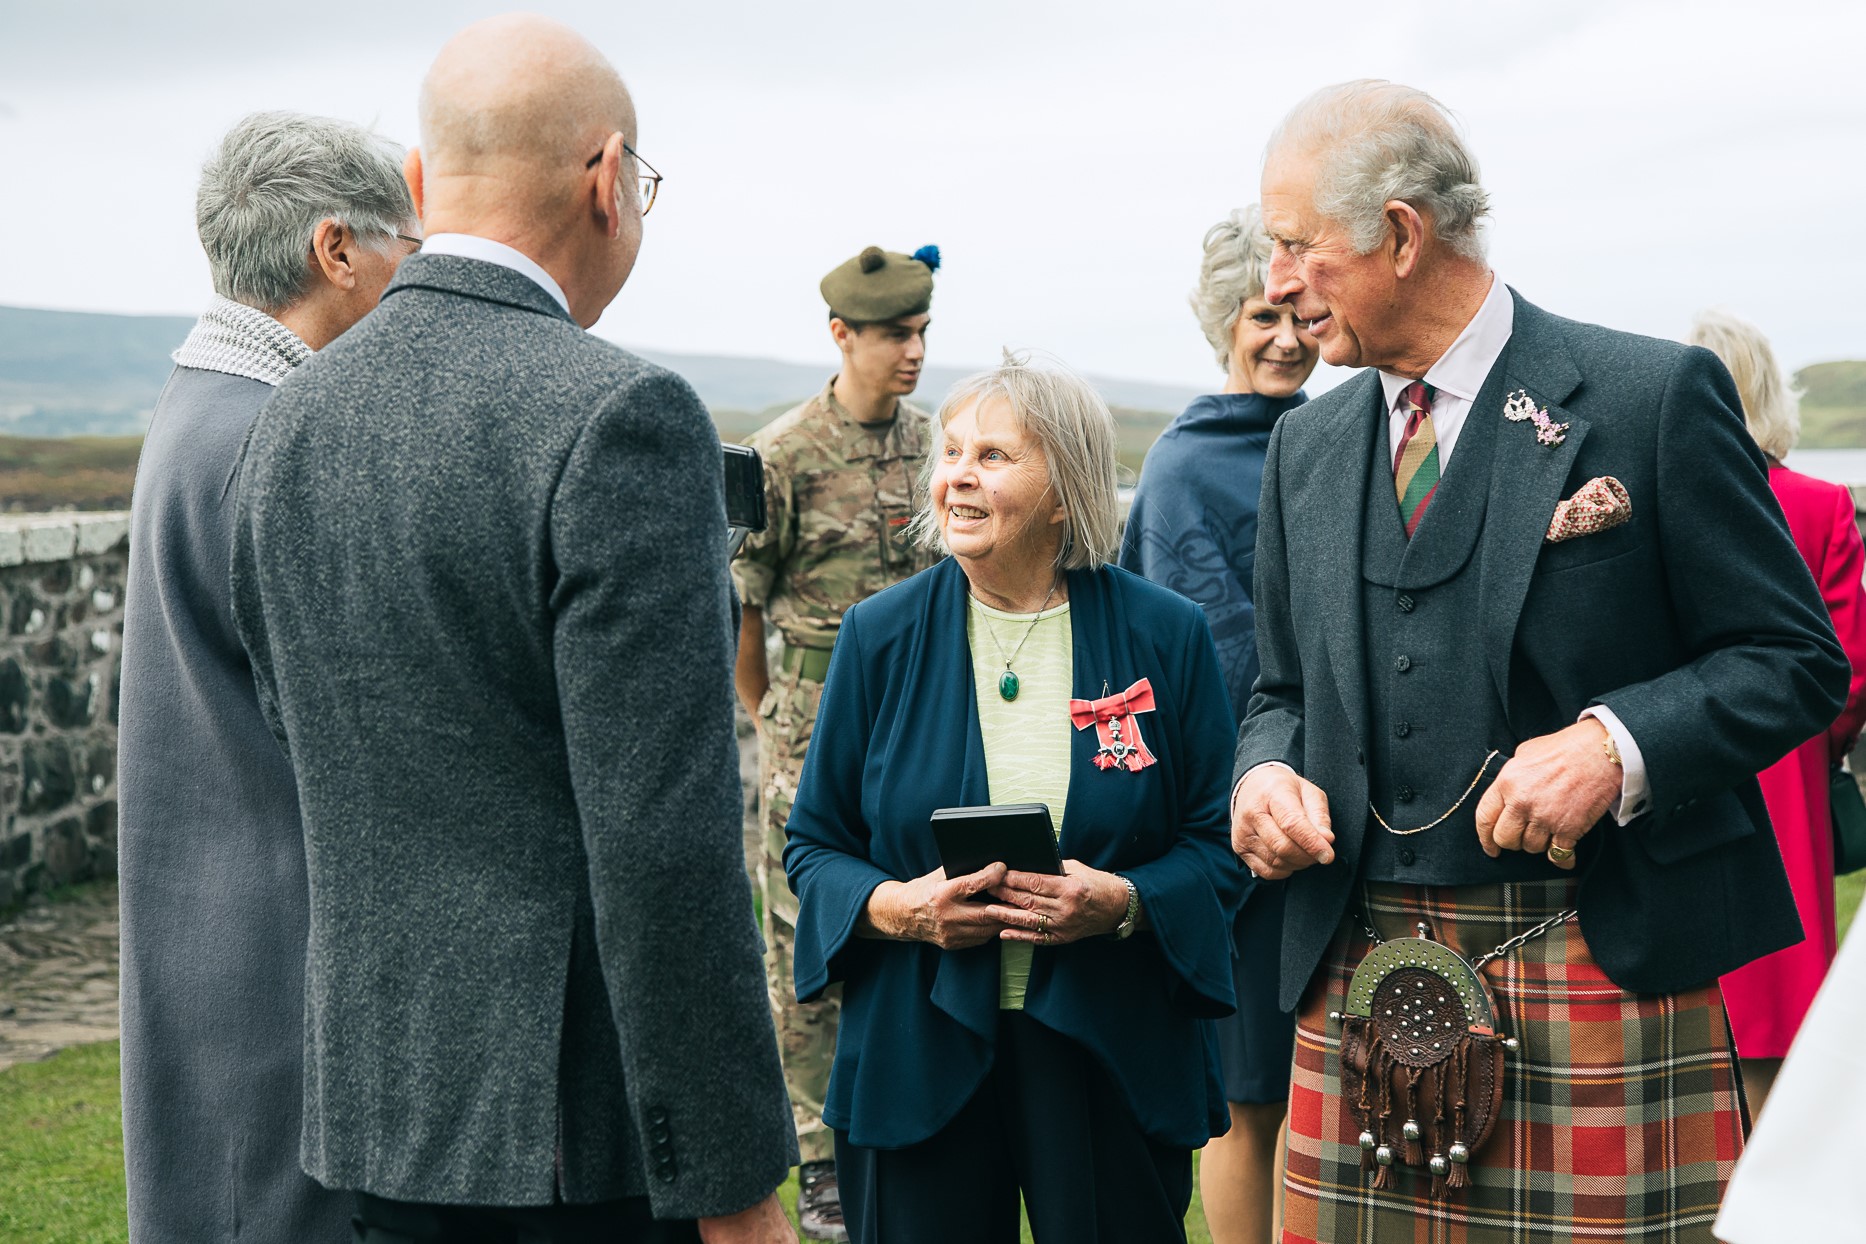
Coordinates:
[1047,1123]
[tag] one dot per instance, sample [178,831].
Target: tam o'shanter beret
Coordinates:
[882,285]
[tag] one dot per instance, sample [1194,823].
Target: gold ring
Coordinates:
[1560,854]
[1043,923]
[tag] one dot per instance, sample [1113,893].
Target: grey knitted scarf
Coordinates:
[234,338]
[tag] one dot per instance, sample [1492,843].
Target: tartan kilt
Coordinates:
[1622,1118]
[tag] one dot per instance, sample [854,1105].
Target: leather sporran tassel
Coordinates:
[1383,1065]
[1415,1154]
[1363,1109]
[1459,1175]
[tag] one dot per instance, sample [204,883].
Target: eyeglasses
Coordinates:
[414,242]
[650,181]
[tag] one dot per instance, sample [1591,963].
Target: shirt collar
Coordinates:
[470,246]
[1462,370]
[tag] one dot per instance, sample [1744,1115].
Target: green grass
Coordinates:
[61,1140]
[1847,892]
[61,1153]
[61,1149]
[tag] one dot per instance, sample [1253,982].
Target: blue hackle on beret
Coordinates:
[928,255]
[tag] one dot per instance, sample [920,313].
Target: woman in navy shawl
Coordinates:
[1193,528]
[1082,1079]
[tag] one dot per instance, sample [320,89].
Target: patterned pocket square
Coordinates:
[1598,505]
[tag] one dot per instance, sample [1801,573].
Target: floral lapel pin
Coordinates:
[1519,406]
[1115,727]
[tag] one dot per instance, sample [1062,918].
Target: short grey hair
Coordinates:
[1378,141]
[277,175]
[1769,405]
[1076,430]
[1237,255]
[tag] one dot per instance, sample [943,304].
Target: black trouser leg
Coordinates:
[1047,1119]
[1090,1176]
[959,1185]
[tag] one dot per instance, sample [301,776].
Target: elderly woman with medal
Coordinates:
[1007,1032]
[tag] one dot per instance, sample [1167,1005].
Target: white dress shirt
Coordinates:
[1456,378]
[468,246]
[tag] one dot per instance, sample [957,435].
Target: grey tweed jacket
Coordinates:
[479,564]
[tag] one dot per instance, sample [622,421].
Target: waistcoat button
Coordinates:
[1406,856]
[1403,729]
[1403,664]
[1405,604]
[1404,794]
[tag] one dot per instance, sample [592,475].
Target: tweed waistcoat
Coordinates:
[1433,707]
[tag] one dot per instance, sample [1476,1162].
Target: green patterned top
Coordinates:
[1026,740]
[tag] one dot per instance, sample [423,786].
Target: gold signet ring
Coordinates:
[1560,854]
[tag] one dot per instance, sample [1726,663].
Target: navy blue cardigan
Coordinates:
[897,736]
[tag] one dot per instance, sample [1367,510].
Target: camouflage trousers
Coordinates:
[806,1031]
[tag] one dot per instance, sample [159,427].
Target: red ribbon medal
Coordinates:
[1113,719]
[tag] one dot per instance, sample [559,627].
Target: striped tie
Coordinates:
[1415,468]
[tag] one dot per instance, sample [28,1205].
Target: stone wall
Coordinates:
[61,593]
[61,601]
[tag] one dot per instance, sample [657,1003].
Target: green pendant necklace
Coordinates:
[1008,682]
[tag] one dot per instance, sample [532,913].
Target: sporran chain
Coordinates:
[1502,948]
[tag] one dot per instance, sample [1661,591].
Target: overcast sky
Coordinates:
[1644,159]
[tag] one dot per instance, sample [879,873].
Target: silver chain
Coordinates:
[1555,921]
[1449,812]
[1515,943]
[1034,619]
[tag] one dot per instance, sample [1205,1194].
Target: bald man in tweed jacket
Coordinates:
[480,565]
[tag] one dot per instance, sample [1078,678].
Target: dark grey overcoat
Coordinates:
[212,864]
[479,560]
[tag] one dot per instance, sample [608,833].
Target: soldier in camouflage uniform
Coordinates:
[842,483]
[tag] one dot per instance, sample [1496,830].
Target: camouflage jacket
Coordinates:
[839,498]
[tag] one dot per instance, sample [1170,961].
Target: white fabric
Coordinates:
[1457,376]
[1799,1177]
[1635,792]
[238,340]
[468,246]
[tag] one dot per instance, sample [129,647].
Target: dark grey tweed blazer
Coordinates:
[479,563]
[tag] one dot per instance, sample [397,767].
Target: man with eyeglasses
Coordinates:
[477,563]
[841,487]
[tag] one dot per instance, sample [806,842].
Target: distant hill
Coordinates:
[67,472]
[65,373]
[1833,405]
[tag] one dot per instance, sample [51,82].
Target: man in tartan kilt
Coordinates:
[1529,622]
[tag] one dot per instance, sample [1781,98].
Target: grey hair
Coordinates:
[1073,425]
[277,175]
[1379,141]
[1769,405]
[1237,255]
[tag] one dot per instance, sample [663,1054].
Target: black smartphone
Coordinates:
[745,494]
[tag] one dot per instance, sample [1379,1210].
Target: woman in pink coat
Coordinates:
[1767,999]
